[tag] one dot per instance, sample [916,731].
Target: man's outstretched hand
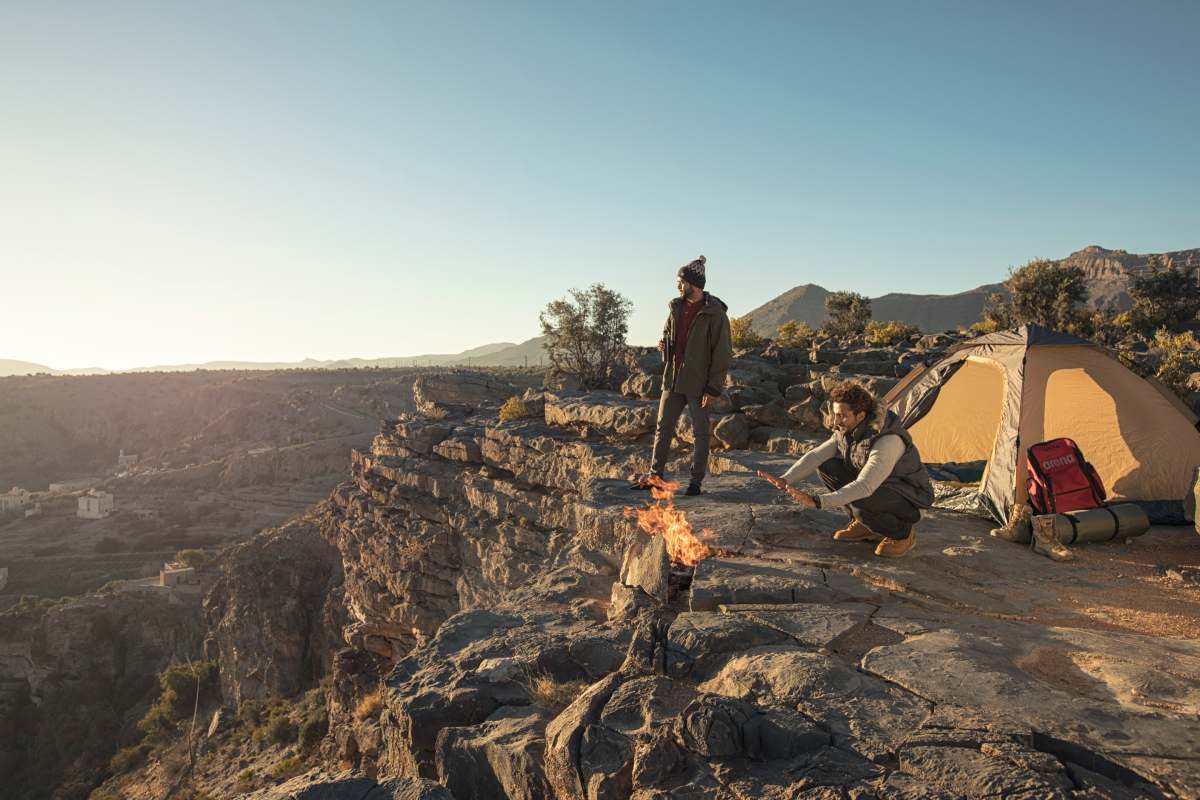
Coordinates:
[805,500]
[707,400]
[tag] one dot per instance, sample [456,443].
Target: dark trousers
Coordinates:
[670,406]
[886,513]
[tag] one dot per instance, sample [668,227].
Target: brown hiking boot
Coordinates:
[1018,529]
[894,548]
[855,532]
[1045,539]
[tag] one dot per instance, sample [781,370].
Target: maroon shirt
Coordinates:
[686,318]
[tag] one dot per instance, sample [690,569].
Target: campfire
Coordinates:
[661,518]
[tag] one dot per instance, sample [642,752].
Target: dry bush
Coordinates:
[742,335]
[888,333]
[513,408]
[369,705]
[551,694]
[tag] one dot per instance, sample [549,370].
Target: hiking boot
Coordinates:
[855,532]
[644,483]
[693,489]
[1045,539]
[894,548]
[1018,528]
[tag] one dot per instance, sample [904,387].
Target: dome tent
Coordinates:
[992,397]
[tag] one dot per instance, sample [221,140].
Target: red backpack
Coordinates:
[1060,479]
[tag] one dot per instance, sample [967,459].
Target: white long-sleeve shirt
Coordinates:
[881,460]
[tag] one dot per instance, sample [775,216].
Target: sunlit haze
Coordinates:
[183,182]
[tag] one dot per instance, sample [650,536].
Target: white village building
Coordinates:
[95,505]
[13,499]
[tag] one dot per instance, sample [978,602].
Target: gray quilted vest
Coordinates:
[909,478]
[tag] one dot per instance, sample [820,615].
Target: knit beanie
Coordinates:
[693,272]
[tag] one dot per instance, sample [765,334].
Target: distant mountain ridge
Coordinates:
[1109,274]
[497,354]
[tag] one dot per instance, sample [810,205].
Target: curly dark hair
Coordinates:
[855,396]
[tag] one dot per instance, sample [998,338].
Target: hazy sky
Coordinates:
[252,180]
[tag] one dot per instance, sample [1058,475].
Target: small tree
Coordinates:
[1164,296]
[1178,357]
[848,313]
[586,334]
[793,334]
[742,335]
[997,315]
[1049,295]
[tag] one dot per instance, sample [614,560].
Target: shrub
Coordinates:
[888,333]
[314,721]
[553,695]
[369,704]
[848,313]
[246,781]
[793,334]
[1164,296]
[287,768]
[985,326]
[312,731]
[1178,357]
[998,314]
[742,335]
[280,729]
[585,335]
[513,408]
[192,557]
[128,758]
[179,685]
[1048,294]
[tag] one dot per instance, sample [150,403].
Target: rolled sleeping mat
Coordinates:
[1104,524]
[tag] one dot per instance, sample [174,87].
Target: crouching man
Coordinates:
[871,466]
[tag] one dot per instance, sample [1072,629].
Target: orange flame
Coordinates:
[663,519]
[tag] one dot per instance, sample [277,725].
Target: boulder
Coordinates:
[606,411]
[500,758]
[642,386]
[826,355]
[733,431]
[647,566]
[742,396]
[711,726]
[797,392]
[771,415]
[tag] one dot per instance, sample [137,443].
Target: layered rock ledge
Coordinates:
[531,642]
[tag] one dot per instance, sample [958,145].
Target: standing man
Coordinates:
[696,354]
[869,465]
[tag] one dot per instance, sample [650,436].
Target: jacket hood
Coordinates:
[711,303]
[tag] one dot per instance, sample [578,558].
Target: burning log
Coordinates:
[661,518]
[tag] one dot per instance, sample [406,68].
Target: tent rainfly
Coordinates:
[992,397]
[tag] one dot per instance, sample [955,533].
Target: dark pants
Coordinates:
[670,406]
[886,512]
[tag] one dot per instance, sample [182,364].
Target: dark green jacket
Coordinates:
[708,350]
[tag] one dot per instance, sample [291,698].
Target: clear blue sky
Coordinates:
[218,180]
